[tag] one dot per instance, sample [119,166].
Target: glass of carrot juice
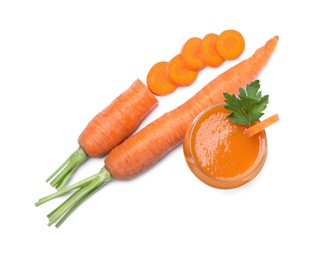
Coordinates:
[218,151]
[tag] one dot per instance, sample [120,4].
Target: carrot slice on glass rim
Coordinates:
[260,126]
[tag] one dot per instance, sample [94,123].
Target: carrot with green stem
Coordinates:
[107,129]
[143,149]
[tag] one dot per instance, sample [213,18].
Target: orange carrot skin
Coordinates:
[117,121]
[261,125]
[149,145]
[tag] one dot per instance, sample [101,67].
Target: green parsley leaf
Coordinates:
[248,107]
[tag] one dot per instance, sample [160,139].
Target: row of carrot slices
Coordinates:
[182,70]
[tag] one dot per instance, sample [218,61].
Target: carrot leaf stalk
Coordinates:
[66,170]
[84,189]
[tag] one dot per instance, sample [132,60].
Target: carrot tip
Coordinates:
[260,126]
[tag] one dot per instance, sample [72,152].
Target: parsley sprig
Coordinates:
[248,107]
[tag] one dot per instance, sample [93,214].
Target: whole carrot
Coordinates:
[107,129]
[149,145]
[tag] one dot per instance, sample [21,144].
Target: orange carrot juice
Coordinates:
[218,151]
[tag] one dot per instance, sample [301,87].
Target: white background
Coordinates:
[63,61]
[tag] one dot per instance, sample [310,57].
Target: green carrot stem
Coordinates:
[63,174]
[60,185]
[66,190]
[75,205]
[69,168]
[60,210]
[72,203]
[84,189]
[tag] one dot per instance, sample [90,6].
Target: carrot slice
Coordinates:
[230,44]
[158,80]
[179,74]
[260,126]
[208,51]
[191,54]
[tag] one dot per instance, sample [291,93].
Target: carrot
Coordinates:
[260,126]
[190,54]
[107,129]
[179,74]
[158,80]
[150,144]
[208,51]
[230,44]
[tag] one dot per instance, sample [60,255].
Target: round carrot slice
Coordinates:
[158,81]
[191,54]
[230,44]
[179,74]
[208,51]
